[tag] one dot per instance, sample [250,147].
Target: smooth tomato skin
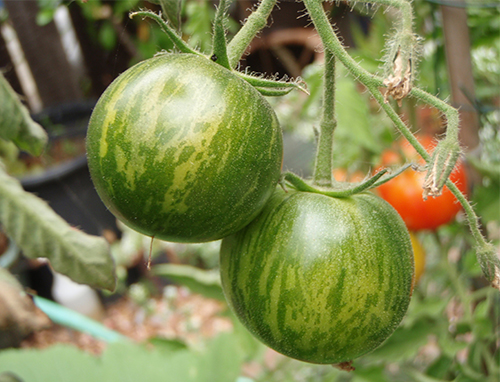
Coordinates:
[319,279]
[183,150]
[404,192]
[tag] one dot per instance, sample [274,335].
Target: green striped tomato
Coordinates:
[181,149]
[320,279]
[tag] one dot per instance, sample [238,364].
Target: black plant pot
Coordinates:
[67,186]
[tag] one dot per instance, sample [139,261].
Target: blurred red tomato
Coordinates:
[404,192]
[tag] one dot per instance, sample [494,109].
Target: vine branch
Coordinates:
[255,22]
[323,167]
[446,153]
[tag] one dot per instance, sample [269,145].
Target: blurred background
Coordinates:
[59,56]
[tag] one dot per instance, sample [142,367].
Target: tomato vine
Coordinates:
[400,66]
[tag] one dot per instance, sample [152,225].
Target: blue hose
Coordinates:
[71,319]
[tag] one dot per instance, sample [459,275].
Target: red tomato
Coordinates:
[404,192]
[342,175]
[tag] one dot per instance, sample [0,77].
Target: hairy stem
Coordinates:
[372,82]
[486,252]
[255,22]
[323,167]
[219,44]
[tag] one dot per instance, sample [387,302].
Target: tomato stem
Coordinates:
[219,43]
[255,22]
[486,252]
[335,192]
[323,166]
[280,86]
[447,151]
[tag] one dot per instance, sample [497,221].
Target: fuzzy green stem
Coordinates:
[354,188]
[373,83]
[255,22]
[485,251]
[323,167]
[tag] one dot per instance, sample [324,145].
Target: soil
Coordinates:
[182,316]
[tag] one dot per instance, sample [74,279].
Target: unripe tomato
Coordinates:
[404,192]
[182,149]
[320,279]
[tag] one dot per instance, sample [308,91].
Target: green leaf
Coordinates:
[369,374]
[222,360]
[206,283]
[57,363]
[417,376]
[167,345]
[440,367]
[405,343]
[16,124]
[487,202]
[219,361]
[432,307]
[40,232]
[107,35]
[449,346]
[352,113]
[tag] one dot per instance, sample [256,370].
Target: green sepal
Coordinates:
[265,83]
[219,43]
[273,92]
[490,263]
[441,165]
[341,192]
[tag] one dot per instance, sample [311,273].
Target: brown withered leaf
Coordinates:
[19,316]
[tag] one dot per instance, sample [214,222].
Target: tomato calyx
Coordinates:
[440,167]
[341,189]
[270,87]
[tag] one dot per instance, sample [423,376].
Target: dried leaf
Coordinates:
[40,232]
[16,124]
[18,316]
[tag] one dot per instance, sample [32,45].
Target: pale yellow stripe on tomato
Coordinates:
[130,167]
[110,117]
[273,306]
[103,142]
[200,142]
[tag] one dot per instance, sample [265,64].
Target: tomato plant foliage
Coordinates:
[182,149]
[320,279]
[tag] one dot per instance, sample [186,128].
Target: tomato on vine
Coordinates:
[319,278]
[404,192]
[182,149]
